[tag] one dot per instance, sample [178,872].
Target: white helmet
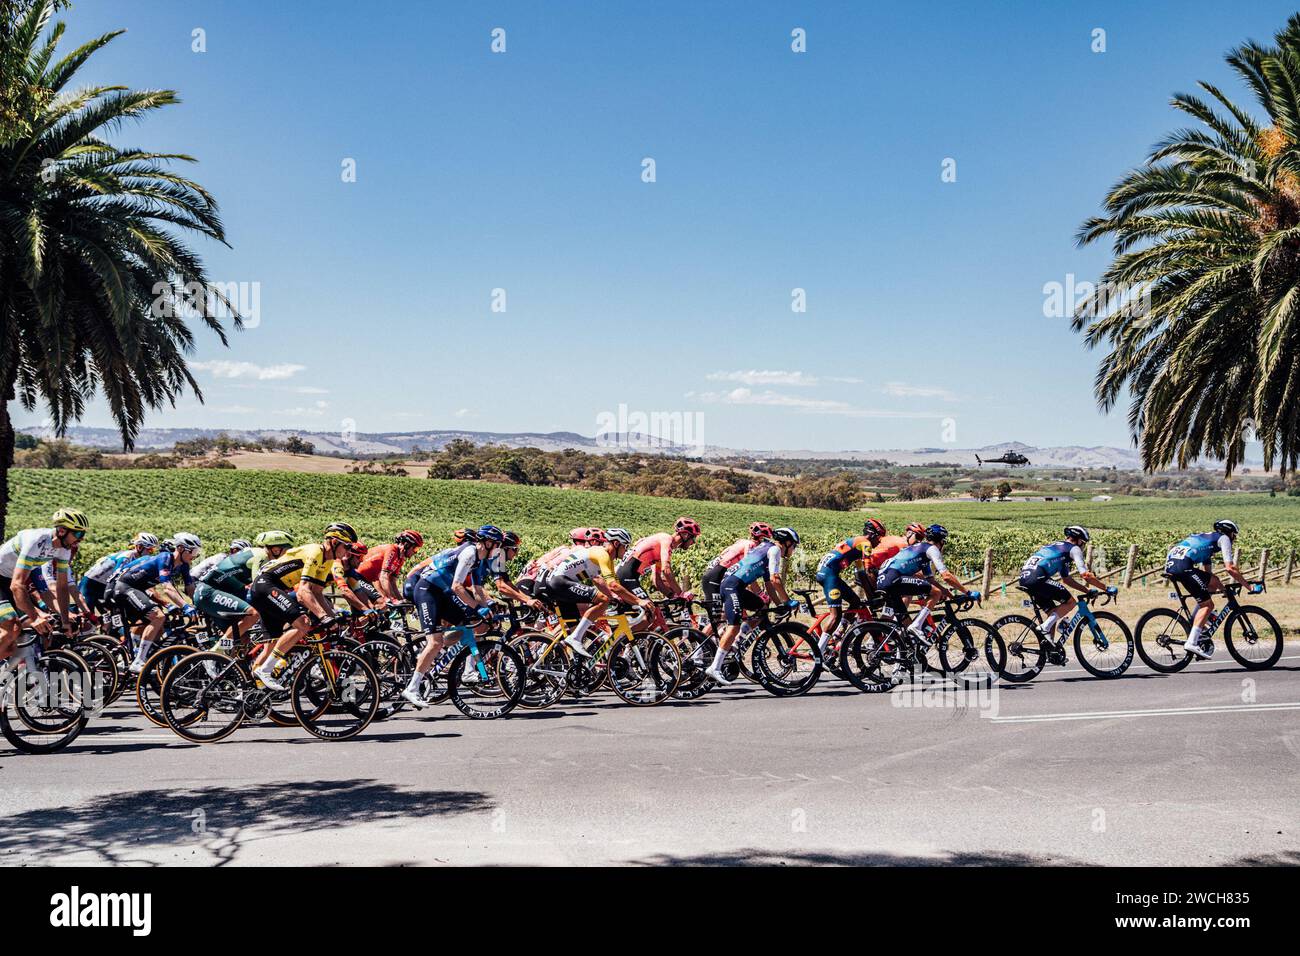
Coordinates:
[618,535]
[145,540]
[190,542]
[240,544]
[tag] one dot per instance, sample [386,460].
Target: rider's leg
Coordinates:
[8,630]
[156,620]
[272,663]
[1059,613]
[923,613]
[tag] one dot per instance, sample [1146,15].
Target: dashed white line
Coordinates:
[1152,712]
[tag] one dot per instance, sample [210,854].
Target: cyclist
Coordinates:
[222,591]
[711,580]
[911,573]
[382,565]
[26,551]
[207,564]
[528,578]
[653,554]
[588,576]
[361,595]
[765,562]
[1054,559]
[447,593]
[496,570]
[289,592]
[95,581]
[131,586]
[848,553]
[1190,563]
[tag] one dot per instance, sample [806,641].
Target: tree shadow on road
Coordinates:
[217,820]
[756,857]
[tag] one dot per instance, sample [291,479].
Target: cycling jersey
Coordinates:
[152,570]
[452,566]
[547,561]
[384,557]
[43,578]
[307,562]
[888,546]
[763,561]
[732,554]
[922,557]
[102,570]
[234,573]
[1051,560]
[846,552]
[1199,549]
[200,570]
[588,563]
[28,550]
[655,549]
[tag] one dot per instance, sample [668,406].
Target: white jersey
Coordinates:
[107,566]
[207,564]
[28,550]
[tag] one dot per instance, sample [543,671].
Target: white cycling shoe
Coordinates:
[575,645]
[1198,650]
[413,696]
[268,679]
[715,675]
[136,667]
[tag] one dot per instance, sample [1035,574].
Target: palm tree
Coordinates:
[1209,227]
[96,285]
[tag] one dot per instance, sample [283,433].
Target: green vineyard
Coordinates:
[219,505]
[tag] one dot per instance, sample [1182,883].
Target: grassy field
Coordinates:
[219,505]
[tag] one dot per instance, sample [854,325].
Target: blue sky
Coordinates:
[775,170]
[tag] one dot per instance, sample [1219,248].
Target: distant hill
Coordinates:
[367,444]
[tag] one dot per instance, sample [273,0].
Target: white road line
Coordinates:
[1153,712]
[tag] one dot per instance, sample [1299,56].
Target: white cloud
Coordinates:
[756,376]
[223,368]
[462,412]
[747,396]
[315,410]
[908,390]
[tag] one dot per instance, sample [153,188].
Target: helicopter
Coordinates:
[1012,458]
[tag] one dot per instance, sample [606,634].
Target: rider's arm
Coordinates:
[941,569]
[1230,561]
[312,596]
[342,588]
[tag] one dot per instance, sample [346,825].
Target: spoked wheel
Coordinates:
[787,659]
[644,670]
[971,652]
[148,686]
[103,665]
[44,709]
[384,657]
[1253,637]
[348,687]
[203,697]
[489,685]
[1161,636]
[546,668]
[1026,654]
[870,657]
[697,651]
[1104,648]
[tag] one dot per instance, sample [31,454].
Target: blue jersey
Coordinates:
[442,568]
[1199,548]
[758,563]
[910,560]
[153,569]
[1051,560]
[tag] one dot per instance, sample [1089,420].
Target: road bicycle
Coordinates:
[881,654]
[833,645]
[46,696]
[1252,635]
[1102,641]
[483,676]
[333,692]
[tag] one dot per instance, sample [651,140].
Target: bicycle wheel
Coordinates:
[434,687]
[644,670]
[1254,638]
[1026,654]
[697,651]
[1104,648]
[546,668]
[971,652]
[348,685]
[103,668]
[44,710]
[203,697]
[870,657]
[1160,636]
[490,685]
[384,657]
[787,660]
[148,686]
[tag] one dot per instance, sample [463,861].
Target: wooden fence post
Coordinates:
[1290,566]
[1263,564]
[1087,557]
[987,581]
[1128,569]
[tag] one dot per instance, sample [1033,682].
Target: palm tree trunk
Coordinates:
[6,453]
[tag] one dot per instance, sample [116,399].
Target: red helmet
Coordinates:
[461,535]
[579,535]
[917,529]
[357,549]
[760,531]
[872,526]
[687,526]
[409,538]
[595,537]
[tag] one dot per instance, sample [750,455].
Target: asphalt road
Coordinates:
[1196,768]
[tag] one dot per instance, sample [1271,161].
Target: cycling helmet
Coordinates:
[341,531]
[357,549]
[618,536]
[190,542]
[273,539]
[1078,531]
[595,537]
[145,540]
[510,539]
[917,529]
[936,533]
[1227,527]
[490,533]
[579,535]
[71,519]
[409,538]
[873,527]
[760,531]
[687,526]
[240,544]
[461,535]
[785,536]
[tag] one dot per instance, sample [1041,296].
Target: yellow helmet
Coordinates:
[341,531]
[72,519]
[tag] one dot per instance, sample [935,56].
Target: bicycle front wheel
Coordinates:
[44,710]
[148,687]
[546,668]
[348,686]
[644,670]
[1254,638]
[697,651]
[202,697]
[1104,646]
[490,685]
[869,656]
[787,659]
